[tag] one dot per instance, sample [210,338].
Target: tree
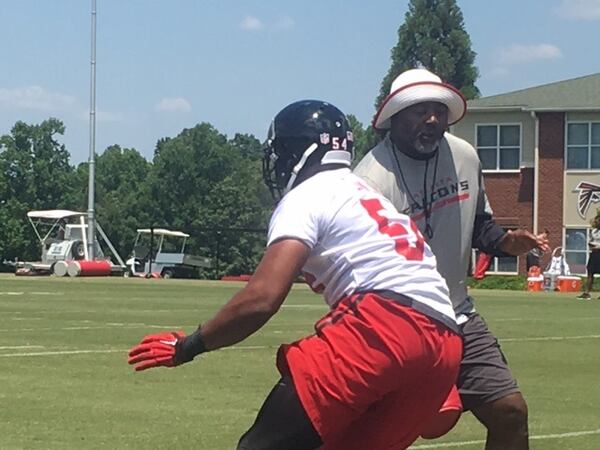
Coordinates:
[203,184]
[34,174]
[433,36]
[247,145]
[364,139]
[121,201]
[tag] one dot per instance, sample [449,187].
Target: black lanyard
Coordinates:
[426,205]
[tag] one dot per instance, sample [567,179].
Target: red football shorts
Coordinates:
[446,417]
[374,373]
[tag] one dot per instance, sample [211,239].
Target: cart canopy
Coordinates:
[54,214]
[163,232]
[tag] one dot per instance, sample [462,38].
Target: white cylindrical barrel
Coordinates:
[60,268]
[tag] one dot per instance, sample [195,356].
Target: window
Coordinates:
[504,265]
[576,249]
[583,145]
[499,146]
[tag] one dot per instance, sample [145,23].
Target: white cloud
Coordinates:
[285,23]
[579,9]
[519,54]
[35,98]
[176,104]
[251,23]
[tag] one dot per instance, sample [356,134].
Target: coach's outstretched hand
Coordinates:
[518,242]
[166,349]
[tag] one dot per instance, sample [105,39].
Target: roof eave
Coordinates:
[534,109]
[494,108]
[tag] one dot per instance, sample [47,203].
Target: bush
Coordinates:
[506,282]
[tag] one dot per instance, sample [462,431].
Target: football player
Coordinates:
[387,350]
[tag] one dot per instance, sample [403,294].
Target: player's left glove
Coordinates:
[167,349]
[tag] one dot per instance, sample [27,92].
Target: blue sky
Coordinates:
[166,65]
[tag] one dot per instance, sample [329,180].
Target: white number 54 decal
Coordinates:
[337,143]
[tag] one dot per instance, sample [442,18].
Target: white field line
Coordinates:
[541,319]
[63,352]
[538,437]
[21,347]
[112,350]
[109,326]
[113,325]
[550,338]
[99,327]
[241,347]
[30,293]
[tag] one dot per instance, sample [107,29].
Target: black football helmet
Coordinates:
[305,137]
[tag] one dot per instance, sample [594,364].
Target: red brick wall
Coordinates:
[511,198]
[551,173]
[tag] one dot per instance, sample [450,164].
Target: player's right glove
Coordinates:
[167,349]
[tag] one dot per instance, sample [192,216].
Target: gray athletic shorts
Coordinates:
[484,374]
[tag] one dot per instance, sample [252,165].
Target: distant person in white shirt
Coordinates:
[385,357]
[558,264]
[593,264]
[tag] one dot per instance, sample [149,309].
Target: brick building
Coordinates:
[540,151]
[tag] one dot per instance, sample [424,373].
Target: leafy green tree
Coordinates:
[35,165]
[433,36]
[247,145]
[17,240]
[364,139]
[34,174]
[203,184]
[121,203]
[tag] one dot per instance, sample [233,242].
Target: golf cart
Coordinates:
[62,235]
[161,252]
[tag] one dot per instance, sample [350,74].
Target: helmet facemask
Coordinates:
[282,162]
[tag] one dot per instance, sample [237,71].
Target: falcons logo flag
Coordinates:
[588,193]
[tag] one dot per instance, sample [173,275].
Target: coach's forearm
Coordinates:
[487,235]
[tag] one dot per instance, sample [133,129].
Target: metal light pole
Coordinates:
[91,230]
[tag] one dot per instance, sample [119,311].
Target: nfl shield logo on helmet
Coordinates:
[324,137]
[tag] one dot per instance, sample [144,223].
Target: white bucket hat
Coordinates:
[417,86]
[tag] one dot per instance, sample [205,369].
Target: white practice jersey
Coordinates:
[359,243]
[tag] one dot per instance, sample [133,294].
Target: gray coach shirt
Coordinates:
[455,197]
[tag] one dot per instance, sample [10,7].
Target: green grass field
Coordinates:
[65,383]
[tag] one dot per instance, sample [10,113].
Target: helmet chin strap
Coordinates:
[337,157]
[298,167]
[331,157]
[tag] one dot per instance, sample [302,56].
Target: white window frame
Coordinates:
[493,269]
[589,145]
[497,147]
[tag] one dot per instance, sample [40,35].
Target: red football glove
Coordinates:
[156,350]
